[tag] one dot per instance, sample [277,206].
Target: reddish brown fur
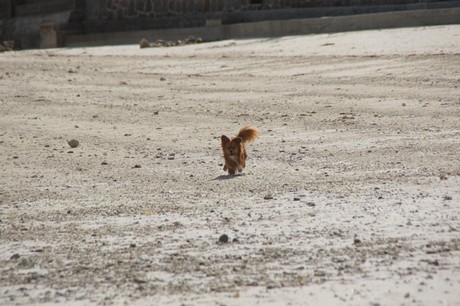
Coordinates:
[234,150]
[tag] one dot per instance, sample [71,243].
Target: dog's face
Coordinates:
[231,147]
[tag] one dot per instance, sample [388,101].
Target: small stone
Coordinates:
[223,238]
[319,273]
[35,276]
[144,43]
[137,166]
[139,281]
[15,256]
[162,79]
[73,143]
[26,263]
[296,199]
[311,204]
[104,163]
[268,197]
[356,241]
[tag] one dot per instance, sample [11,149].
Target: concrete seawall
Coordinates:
[216,31]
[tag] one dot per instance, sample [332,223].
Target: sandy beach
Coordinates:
[350,196]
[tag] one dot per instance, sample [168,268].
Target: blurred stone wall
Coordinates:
[121,9]
[129,9]
[5,8]
[22,20]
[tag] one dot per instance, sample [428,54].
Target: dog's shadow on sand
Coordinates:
[224,177]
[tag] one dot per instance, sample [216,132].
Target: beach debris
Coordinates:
[7,45]
[191,40]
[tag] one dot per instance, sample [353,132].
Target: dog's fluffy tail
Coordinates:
[248,133]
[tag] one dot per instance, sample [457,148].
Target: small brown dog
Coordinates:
[234,150]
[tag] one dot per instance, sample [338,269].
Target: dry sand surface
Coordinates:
[351,196]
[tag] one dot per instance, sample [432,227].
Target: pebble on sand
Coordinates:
[223,238]
[73,143]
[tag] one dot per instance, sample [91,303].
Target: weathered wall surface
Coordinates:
[22,20]
[120,9]
[4,18]
[127,9]
[267,28]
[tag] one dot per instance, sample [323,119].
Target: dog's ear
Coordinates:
[237,140]
[224,140]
